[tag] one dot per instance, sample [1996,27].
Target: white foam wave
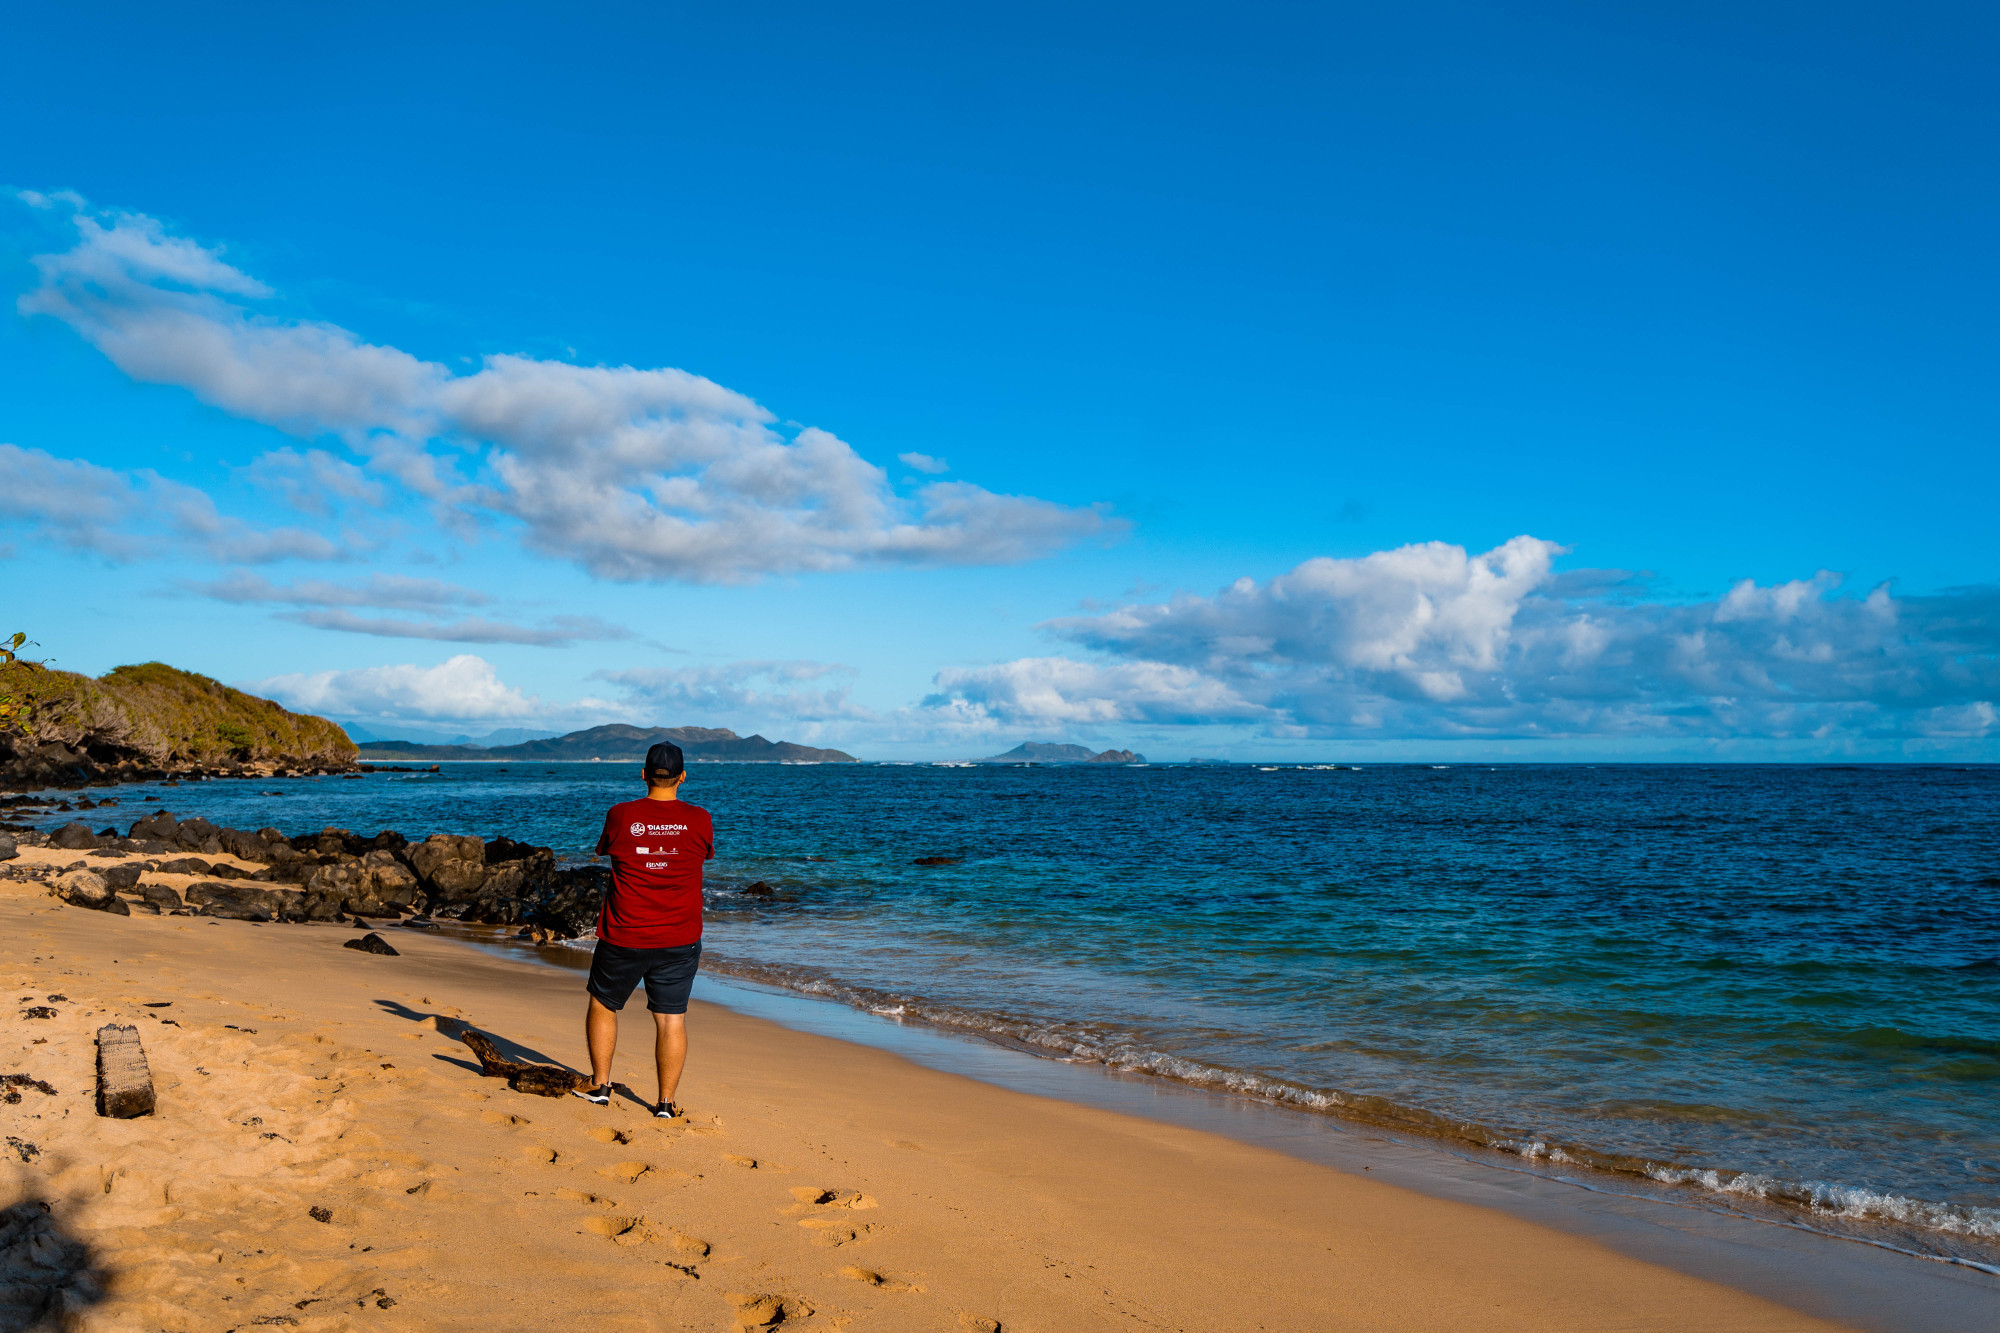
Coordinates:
[1080,1043]
[1827,1199]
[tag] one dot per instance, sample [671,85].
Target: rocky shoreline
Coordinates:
[53,765]
[333,876]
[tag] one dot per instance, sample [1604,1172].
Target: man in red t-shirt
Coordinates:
[649,928]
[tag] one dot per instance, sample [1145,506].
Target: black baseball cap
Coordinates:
[665,760]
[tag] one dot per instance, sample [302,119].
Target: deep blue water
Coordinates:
[1773,982]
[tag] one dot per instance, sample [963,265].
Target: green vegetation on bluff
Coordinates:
[157,716]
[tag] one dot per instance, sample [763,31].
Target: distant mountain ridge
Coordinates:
[621,742]
[1041,752]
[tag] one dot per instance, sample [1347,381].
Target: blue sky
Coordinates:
[1457,381]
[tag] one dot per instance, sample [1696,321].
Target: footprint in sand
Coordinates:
[748,1163]
[502,1118]
[765,1309]
[606,1135]
[692,1246]
[812,1197]
[621,1230]
[869,1277]
[583,1196]
[627,1172]
[540,1153]
[831,1233]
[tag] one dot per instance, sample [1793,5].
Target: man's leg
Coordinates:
[600,1032]
[670,1052]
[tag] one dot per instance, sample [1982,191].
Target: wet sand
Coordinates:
[325,1157]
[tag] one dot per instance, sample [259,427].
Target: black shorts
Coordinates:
[668,974]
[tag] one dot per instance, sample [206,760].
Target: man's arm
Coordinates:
[604,836]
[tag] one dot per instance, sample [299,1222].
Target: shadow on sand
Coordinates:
[453,1027]
[47,1276]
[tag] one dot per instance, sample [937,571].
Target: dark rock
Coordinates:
[107,832]
[159,826]
[122,878]
[235,902]
[244,846]
[570,906]
[320,1214]
[186,865]
[160,896]
[224,870]
[449,867]
[8,849]
[761,890]
[73,837]
[198,835]
[39,1011]
[372,943]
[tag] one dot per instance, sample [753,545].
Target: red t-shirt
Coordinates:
[656,850]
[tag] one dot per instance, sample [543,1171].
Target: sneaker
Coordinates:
[598,1096]
[668,1111]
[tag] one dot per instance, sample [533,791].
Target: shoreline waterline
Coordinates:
[1874,1285]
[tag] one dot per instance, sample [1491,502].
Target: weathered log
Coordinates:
[124,1082]
[541,1080]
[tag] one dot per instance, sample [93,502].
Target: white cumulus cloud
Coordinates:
[632,473]
[1430,640]
[461,689]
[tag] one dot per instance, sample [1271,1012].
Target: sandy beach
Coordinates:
[325,1156]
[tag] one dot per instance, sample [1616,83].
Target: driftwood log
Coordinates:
[541,1080]
[124,1082]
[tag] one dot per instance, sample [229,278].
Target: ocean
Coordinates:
[1775,989]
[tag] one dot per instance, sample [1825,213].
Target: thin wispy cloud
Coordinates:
[132,516]
[633,474]
[324,604]
[773,690]
[556,632]
[1430,641]
[394,592]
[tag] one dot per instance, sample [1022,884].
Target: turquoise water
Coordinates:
[1776,986]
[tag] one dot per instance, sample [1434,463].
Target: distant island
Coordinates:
[1037,752]
[618,742]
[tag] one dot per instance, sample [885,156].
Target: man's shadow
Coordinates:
[513,1050]
[452,1027]
[47,1276]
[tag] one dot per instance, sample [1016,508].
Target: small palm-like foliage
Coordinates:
[16,700]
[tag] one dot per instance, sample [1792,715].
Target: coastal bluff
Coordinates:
[151,721]
[618,743]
